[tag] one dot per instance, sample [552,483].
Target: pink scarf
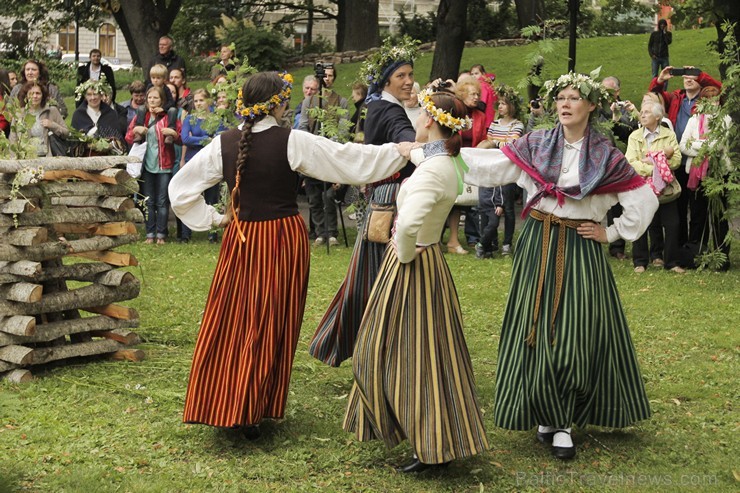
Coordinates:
[697,173]
[662,174]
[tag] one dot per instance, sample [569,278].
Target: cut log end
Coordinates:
[128,355]
[18,376]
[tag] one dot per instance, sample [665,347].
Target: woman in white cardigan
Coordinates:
[693,139]
[413,375]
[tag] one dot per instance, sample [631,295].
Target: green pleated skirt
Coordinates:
[413,375]
[583,370]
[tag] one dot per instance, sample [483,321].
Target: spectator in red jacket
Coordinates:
[4,90]
[679,105]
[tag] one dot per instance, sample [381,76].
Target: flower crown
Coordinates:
[266,106]
[442,117]
[391,51]
[590,89]
[98,86]
[512,96]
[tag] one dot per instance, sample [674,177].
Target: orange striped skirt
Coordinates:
[248,337]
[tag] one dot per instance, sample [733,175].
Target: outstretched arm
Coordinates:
[352,164]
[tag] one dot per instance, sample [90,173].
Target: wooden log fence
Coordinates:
[60,220]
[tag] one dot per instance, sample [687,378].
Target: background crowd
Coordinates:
[178,127]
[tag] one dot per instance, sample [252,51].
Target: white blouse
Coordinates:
[309,154]
[491,168]
[424,202]
[691,142]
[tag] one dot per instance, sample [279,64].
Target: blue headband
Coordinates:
[376,87]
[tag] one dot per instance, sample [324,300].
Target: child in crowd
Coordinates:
[159,160]
[158,75]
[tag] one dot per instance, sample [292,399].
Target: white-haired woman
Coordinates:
[642,146]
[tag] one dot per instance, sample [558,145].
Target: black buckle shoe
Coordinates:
[563,453]
[545,438]
[417,466]
[414,466]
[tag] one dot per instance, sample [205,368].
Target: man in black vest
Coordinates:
[93,70]
[321,195]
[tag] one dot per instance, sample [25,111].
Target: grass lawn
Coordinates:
[100,426]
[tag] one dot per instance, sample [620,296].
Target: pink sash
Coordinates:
[697,173]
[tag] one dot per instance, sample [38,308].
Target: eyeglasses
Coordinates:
[561,99]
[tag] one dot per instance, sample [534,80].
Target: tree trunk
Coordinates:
[20,325]
[81,215]
[357,24]
[25,236]
[23,292]
[727,11]
[88,296]
[116,204]
[309,25]
[20,268]
[56,249]
[529,12]
[451,21]
[81,271]
[73,188]
[98,325]
[95,163]
[142,23]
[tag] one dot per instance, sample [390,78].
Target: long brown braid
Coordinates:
[257,89]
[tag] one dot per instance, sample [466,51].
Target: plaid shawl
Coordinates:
[602,167]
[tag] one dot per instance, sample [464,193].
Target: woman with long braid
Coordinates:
[247,340]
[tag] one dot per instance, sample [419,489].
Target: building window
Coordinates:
[67,38]
[19,33]
[107,40]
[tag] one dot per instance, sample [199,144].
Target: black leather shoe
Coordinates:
[251,432]
[563,453]
[417,466]
[545,438]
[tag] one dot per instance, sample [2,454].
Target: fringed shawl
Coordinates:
[602,168]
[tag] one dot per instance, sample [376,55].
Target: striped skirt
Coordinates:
[247,340]
[582,369]
[334,340]
[413,375]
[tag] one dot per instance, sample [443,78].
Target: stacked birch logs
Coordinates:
[60,219]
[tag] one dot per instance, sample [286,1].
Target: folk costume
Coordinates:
[385,121]
[413,374]
[566,355]
[248,336]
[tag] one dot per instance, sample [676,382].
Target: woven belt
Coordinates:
[549,220]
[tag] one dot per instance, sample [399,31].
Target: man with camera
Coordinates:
[658,46]
[321,195]
[680,106]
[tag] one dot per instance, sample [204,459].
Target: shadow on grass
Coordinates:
[8,483]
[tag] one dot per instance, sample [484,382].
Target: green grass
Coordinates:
[103,426]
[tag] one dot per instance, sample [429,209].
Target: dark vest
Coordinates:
[268,187]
